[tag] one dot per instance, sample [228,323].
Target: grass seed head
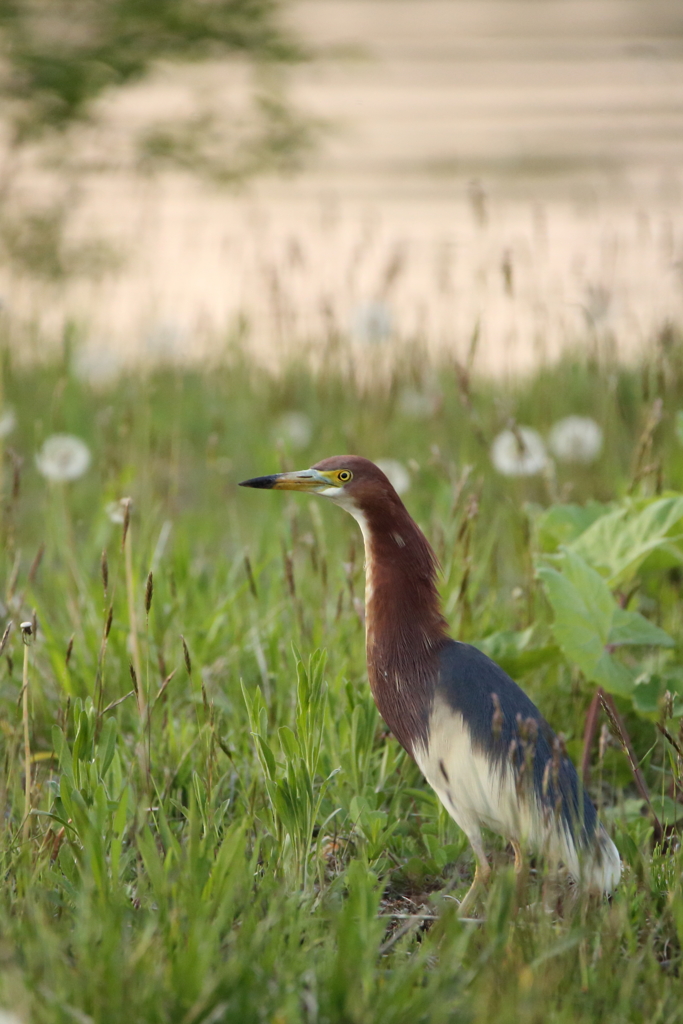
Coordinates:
[17,463]
[289,572]
[5,636]
[35,564]
[498,717]
[126,503]
[104,569]
[149,591]
[69,650]
[186,653]
[250,575]
[13,578]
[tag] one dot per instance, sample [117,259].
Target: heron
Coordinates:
[478,739]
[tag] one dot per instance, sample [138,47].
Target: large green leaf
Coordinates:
[515,652]
[589,623]
[650,690]
[633,628]
[617,543]
[562,524]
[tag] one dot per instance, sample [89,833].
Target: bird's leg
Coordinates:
[481,877]
[519,860]
[520,874]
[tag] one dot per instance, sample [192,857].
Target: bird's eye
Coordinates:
[343,475]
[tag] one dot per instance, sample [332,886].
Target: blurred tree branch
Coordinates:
[228,151]
[58,57]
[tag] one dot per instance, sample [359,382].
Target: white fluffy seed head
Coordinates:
[99,365]
[7,1017]
[576,439]
[371,322]
[519,452]
[418,405]
[295,428]
[8,422]
[399,477]
[116,511]
[63,457]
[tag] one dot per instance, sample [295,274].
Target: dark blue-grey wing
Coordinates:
[504,724]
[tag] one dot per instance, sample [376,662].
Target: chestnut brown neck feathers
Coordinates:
[404,625]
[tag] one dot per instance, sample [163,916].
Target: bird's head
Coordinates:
[399,560]
[348,480]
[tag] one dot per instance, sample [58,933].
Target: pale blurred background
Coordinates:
[493,181]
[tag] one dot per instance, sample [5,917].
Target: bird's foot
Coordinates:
[481,877]
[519,860]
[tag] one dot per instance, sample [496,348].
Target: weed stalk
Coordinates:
[127,544]
[27,631]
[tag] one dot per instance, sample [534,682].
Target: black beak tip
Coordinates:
[263,482]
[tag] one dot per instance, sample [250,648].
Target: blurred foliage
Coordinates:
[37,243]
[225,152]
[61,54]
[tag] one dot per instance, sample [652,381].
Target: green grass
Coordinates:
[248,848]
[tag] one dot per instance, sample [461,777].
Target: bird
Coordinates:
[480,742]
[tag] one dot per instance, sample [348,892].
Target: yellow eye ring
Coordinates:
[344,475]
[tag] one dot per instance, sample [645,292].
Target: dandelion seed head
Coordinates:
[116,511]
[63,457]
[417,405]
[371,323]
[7,1017]
[295,428]
[97,366]
[519,452]
[576,439]
[597,304]
[166,341]
[8,422]
[399,477]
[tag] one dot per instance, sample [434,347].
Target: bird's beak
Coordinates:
[304,480]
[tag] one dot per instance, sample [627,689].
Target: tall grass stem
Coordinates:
[132,615]
[27,634]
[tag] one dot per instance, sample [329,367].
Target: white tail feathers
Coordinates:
[476,791]
[602,865]
[597,867]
